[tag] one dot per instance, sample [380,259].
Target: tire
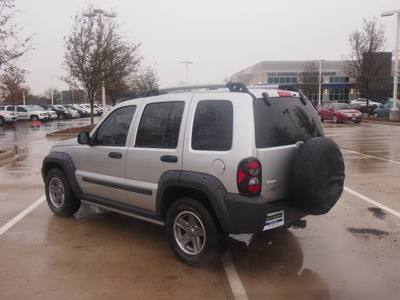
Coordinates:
[61,117]
[320,118]
[335,119]
[204,243]
[317,176]
[34,118]
[60,198]
[2,121]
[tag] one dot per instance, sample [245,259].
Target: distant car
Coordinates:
[384,111]
[96,111]
[52,114]
[363,101]
[362,107]
[7,117]
[74,112]
[62,112]
[83,113]
[339,112]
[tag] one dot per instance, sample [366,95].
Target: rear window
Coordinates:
[285,122]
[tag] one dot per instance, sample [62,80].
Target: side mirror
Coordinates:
[84,138]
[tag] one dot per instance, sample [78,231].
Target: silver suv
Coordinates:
[204,162]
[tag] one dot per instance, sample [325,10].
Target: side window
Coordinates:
[213,126]
[114,130]
[160,125]
[21,109]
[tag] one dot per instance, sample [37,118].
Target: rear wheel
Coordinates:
[60,198]
[193,234]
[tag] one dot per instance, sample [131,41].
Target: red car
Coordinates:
[339,112]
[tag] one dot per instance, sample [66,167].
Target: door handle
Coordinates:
[115,154]
[169,158]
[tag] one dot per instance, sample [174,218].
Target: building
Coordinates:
[335,84]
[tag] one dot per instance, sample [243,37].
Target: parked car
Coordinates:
[52,114]
[384,111]
[83,113]
[96,111]
[62,113]
[204,163]
[7,117]
[339,112]
[362,107]
[28,112]
[364,101]
[74,112]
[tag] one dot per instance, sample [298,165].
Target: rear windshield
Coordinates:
[285,122]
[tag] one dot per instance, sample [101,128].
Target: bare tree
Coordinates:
[363,61]
[12,85]
[146,79]
[12,46]
[57,96]
[308,79]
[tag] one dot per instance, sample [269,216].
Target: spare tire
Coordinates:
[317,176]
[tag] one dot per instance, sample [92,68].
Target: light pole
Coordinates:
[187,62]
[394,112]
[51,87]
[109,14]
[23,89]
[319,84]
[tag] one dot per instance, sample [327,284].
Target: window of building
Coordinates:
[339,94]
[213,126]
[339,79]
[160,125]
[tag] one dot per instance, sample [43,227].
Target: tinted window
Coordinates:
[160,124]
[212,126]
[114,130]
[285,122]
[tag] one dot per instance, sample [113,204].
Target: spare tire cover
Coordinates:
[317,176]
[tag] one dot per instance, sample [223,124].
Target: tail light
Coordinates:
[249,177]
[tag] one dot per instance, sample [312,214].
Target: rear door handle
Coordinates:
[115,154]
[169,158]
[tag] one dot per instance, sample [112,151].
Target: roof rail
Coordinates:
[232,87]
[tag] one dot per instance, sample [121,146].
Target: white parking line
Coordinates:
[376,157]
[22,214]
[237,288]
[392,211]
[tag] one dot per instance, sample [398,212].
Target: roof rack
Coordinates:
[231,86]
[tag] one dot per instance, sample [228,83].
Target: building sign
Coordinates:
[297,73]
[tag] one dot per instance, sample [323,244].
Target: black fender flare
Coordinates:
[317,176]
[63,161]
[176,181]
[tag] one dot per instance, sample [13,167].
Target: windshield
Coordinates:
[59,107]
[341,106]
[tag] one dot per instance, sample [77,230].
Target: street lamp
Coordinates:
[319,84]
[109,14]
[187,62]
[394,112]
[24,90]
[51,87]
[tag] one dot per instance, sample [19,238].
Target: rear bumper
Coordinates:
[248,214]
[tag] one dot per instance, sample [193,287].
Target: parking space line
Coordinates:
[237,288]
[22,214]
[384,207]
[376,157]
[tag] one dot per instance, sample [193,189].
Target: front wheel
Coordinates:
[335,119]
[34,118]
[60,197]
[193,234]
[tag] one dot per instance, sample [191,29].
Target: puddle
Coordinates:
[367,233]
[378,212]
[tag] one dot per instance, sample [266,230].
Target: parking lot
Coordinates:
[350,253]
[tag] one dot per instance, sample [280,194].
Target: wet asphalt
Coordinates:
[350,253]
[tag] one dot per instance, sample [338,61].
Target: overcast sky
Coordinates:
[221,37]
